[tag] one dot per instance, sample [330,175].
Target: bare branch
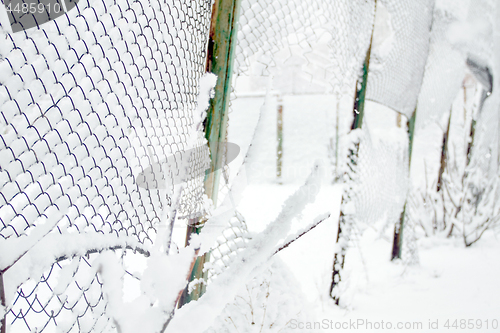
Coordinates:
[312,226]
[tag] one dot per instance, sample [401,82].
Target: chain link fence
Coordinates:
[310,48]
[94,100]
[89,102]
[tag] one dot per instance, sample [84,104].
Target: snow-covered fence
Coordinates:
[101,121]
[231,241]
[292,41]
[326,42]
[91,102]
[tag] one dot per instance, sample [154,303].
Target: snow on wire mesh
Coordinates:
[89,101]
[382,182]
[329,38]
[352,24]
[233,239]
[444,69]
[399,53]
[335,37]
[377,182]
[267,26]
[326,39]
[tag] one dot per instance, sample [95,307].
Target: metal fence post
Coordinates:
[397,244]
[220,56]
[345,221]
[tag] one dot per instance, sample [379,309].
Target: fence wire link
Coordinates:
[88,102]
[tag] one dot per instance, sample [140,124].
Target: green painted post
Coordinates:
[344,229]
[359,101]
[221,46]
[220,56]
[397,244]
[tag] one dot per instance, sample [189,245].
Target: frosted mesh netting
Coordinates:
[444,69]
[399,52]
[233,238]
[375,177]
[267,26]
[322,41]
[380,183]
[88,103]
[352,25]
[312,47]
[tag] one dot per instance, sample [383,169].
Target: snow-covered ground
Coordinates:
[452,289]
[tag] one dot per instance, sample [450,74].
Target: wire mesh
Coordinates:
[320,43]
[91,100]
[233,239]
[313,47]
[382,177]
[399,53]
[88,102]
[74,305]
[292,40]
